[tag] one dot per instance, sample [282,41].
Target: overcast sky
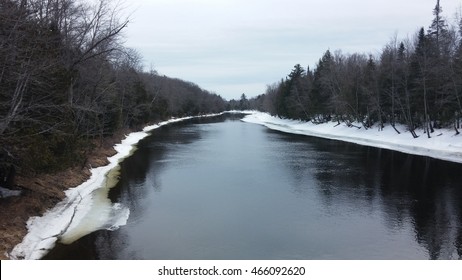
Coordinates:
[232,47]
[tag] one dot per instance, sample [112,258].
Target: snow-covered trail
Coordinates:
[86,207]
[443,144]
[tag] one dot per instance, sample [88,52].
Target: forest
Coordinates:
[416,82]
[67,80]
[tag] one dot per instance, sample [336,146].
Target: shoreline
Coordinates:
[52,203]
[43,192]
[443,145]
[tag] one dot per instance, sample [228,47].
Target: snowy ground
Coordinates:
[86,208]
[443,144]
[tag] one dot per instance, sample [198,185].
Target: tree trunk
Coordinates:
[427,119]
[71,93]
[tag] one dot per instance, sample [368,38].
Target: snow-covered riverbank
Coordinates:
[86,208]
[443,144]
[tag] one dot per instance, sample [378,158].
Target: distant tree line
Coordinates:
[413,82]
[66,79]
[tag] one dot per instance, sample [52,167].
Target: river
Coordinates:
[219,188]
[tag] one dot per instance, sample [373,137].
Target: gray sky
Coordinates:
[232,47]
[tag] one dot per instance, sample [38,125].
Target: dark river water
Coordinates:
[220,188]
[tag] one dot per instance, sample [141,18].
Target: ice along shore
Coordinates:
[444,144]
[85,208]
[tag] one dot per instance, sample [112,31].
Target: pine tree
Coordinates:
[438,28]
[420,75]
[293,94]
[372,94]
[320,93]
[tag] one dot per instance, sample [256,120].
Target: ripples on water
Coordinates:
[223,189]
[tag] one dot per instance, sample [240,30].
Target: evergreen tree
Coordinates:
[403,93]
[372,94]
[320,93]
[438,28]
[297,100]
[420,72]
[244,102]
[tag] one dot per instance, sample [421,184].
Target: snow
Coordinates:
[443,144]
[86,208]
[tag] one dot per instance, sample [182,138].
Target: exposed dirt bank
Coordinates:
[43,192]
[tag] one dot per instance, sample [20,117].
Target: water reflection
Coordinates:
[222,189]
[427,192]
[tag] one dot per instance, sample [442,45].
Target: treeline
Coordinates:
[414,82]
[66,79]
